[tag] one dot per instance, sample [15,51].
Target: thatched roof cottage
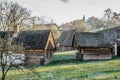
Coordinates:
[92,46]
[38,45]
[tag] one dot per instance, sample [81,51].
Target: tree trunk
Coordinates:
[3,78]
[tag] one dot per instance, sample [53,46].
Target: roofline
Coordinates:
[92,47]
[34,50]
[53,39]
[48,40]
[65,46]
[108,29]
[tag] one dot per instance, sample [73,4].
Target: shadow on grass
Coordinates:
[74,61]
[71,61]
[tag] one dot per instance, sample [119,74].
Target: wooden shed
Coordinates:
[39,45]
[92,46]
[113,35]
[66,40]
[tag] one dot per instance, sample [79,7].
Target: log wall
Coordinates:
[95,54]
[33,58]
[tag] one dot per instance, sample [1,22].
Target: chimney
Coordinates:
[83,17]
[16,29]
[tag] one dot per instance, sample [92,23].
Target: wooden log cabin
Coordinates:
[39,46]
[92,46]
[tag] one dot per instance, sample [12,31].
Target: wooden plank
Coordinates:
[34,51]
[96,57]
[50,39]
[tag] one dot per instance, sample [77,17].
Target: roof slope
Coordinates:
[34,40]
[112,34]
[66,38]
[87,39]
[6,34]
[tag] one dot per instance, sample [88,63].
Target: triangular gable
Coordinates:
[51,42]
[50,46]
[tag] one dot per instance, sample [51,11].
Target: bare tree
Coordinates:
[94,23]
[78,25]
[108,13]
[10,14]
[7,58]
[111,18]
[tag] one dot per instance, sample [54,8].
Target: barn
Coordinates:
[92,46]
[39,45]
[113,35]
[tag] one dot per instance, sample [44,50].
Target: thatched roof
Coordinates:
[72,38]
[112,34]
[6,34]
[33,40]
[95,40]
[66,38]
[51,26]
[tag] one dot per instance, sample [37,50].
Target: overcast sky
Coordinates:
[62,11]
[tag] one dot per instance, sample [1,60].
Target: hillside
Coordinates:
[66,68]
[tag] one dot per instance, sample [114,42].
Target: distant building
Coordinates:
[90,46]
[113,35]
[66,40]
[54,28]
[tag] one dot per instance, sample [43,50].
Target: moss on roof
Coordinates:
[112,34]
[84,39]
[87,39]
[34,39]
[6,34]
[66,38]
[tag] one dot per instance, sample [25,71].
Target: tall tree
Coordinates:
[10,14]
[94,23]
[116,16]
[108,13]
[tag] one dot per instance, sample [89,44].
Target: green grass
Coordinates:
[65,67]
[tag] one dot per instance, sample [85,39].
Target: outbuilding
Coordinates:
[38,45]
[92,46]
[66,40]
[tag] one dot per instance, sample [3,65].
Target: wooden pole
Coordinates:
[115,48]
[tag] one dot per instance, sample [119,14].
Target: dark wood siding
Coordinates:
[118,52]
[94,54]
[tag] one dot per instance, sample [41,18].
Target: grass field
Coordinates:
[65,67]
